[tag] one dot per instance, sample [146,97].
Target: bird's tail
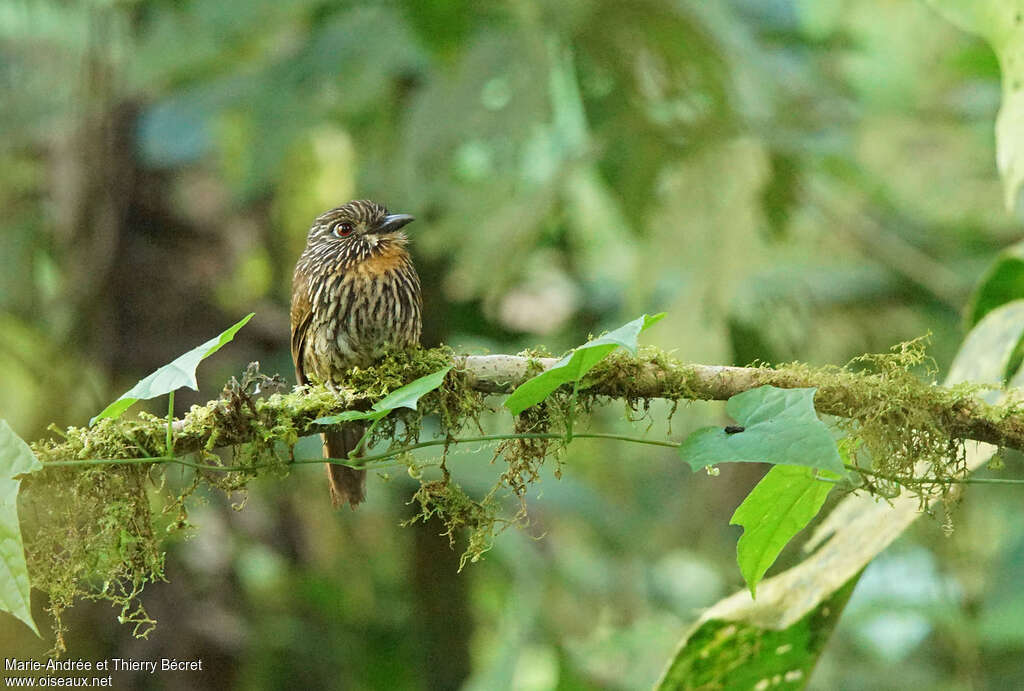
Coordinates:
[347,484]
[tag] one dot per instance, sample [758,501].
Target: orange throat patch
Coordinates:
[391,259]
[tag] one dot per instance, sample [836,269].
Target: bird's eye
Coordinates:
[343,229]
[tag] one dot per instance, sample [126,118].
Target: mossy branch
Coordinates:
[841,392]
[654,374]
[88,521]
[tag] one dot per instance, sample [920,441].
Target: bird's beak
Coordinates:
[394,222]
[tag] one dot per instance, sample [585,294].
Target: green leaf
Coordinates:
[779,507]
[410,394]
[780,427]
[986,356]
[172,376]
[349,415]
[15,459]
[998,22]
[405,397]
[746,653]
[576,364]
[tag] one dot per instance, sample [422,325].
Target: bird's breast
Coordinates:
[363,311]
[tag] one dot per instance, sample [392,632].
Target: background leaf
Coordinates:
[15,459]
[999,22]
[780,427]
[779,507]
[724,654]
[987,354]
[172,376]
[573,366]
[1003,282]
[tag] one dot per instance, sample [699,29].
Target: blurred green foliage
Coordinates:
[793,179]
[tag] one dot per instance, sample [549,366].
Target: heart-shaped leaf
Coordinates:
[576,364]
[779,507]
[778,426]
[405,397]
[172,376]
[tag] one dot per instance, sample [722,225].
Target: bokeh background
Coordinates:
[788,179]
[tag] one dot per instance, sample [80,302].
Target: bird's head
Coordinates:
[356,231]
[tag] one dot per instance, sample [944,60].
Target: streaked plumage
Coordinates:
[355,295]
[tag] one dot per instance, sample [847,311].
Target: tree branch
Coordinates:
[654,374]
[840,391]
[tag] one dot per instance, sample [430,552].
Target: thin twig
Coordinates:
[362,462]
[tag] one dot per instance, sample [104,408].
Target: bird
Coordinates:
[355,297]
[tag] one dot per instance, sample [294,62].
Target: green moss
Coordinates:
[898,425]
[447,501]
[91,533]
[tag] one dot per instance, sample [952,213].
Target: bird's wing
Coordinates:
[301,317]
